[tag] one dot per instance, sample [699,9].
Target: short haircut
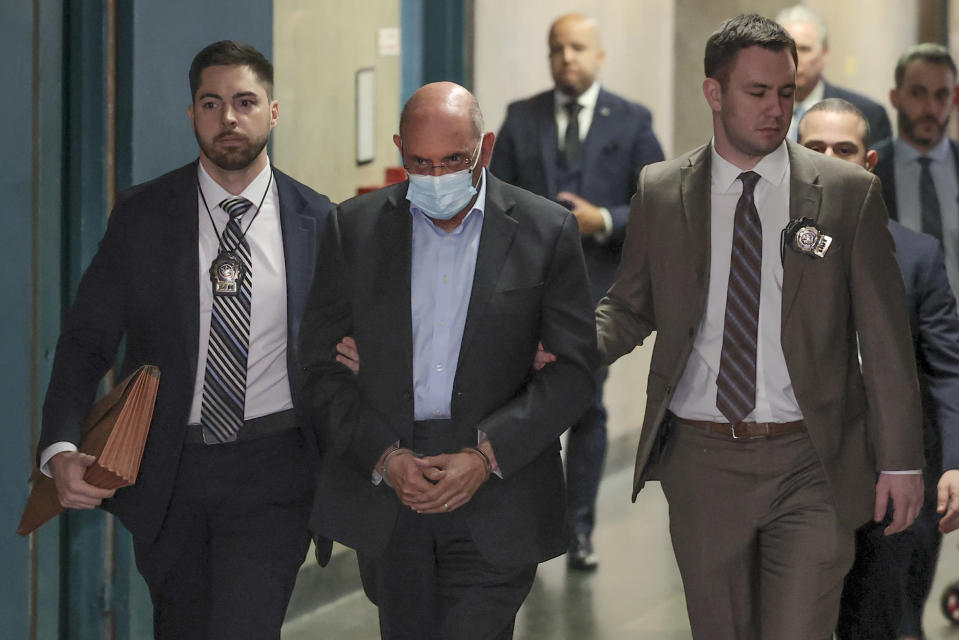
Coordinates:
[927,52]
[742,32]
[838,105]
[230,53]
[801,14]
[476,117]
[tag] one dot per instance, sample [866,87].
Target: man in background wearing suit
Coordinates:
[812,46]
[590,163]
[882,597]
[919,169]
[220,508]
[441,456]
[756,416]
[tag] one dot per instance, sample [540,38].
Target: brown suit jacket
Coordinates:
[860,420]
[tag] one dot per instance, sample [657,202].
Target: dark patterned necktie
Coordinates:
[571,140]
[736,384]
[224,385]
[931,218]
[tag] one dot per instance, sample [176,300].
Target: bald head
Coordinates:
[575,53]
[446,101]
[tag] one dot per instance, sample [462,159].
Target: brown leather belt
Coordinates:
[747,430]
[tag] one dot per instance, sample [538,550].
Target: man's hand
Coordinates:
[947,503]
[67,468]
[905,491]
[587,214]
[457,476]
[542,357]
[406,477]
[346,354]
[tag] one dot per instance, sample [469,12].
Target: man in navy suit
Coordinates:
[590,162]
[219,511]
[880,599]
[812,46]
[919,169]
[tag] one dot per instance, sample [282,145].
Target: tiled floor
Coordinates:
[635,595]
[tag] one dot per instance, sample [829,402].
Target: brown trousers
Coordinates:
[760,548]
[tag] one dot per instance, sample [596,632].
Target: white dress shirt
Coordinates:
[267,380]
[695,396]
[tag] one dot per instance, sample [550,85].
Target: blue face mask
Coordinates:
[442,197]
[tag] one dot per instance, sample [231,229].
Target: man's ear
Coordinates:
[713,92]
[872,157]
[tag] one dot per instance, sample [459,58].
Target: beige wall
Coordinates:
[318,46]
[866,39]
[510,55]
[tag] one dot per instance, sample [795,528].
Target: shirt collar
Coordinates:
[773,167]
[906,153]
[215,194]
[479,207]
[816,95]
[587,99]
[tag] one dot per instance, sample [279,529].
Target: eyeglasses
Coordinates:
[453,163]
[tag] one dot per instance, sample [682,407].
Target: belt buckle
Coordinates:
[732,430]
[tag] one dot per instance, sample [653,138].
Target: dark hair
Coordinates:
[742,32]
[838,105]
[927,52]
[229,53]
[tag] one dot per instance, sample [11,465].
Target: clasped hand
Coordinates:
[436,484]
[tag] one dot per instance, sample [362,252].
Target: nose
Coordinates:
[228,114]
[829,152]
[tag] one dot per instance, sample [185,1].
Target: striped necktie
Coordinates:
[736,383]
[224,384]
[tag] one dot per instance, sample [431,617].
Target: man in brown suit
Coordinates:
[756,419]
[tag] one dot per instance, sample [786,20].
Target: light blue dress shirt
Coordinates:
[943,170]
[443,264]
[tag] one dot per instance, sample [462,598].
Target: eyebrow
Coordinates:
[217,96]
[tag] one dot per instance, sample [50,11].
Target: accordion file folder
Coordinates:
[115,433]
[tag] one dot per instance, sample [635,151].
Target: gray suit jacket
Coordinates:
[858,421]
[529,285]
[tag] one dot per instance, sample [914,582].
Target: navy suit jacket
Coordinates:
[935,335]
[620,142]
[142,286]
[879,127]
[886,171]
[530,285]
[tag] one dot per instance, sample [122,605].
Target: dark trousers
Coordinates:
[235,535]
[585,455]
[759,545]
[432,583]
[887,587]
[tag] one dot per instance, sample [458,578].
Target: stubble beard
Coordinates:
[233,159]
[908,126]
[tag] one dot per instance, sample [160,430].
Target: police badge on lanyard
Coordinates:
[805,236]
[227,274]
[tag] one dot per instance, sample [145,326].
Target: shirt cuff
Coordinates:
[481,437]
[52,450]
[377,478]
[602,236]
[907,472]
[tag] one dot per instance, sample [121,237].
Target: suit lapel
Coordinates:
[182,242]
[499,228]
[805,194]
[299,233]
[548,141]
[392,280]
[695,187]
[602,133]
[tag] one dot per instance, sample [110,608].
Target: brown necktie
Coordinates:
[736,384]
